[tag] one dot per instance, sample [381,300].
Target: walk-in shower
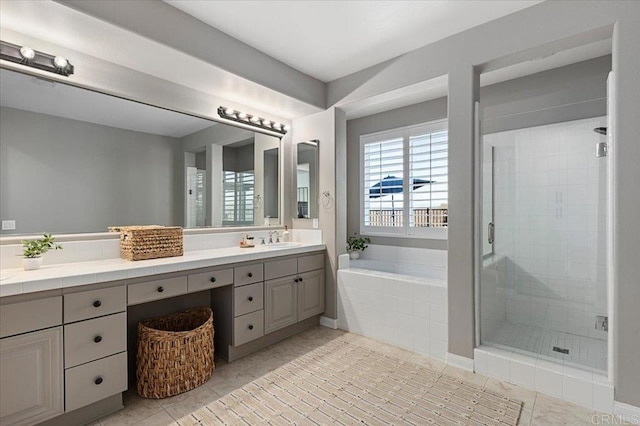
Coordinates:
[543,283]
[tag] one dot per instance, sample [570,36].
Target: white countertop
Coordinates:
[53,277]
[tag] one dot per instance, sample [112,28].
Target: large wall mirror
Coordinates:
[74,160]
[307,178]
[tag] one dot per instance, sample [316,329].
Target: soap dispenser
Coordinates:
[286,235]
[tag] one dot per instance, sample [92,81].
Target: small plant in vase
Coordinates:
[33,250]
[356,244]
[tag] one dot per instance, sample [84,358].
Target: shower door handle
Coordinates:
[491,232]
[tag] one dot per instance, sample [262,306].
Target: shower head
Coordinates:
[600,130]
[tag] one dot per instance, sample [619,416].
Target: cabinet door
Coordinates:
[31,371]
[280,303]
[310,294]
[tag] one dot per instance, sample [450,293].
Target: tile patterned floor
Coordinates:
[583,351]
[538,409]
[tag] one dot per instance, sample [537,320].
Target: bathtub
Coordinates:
[399,303]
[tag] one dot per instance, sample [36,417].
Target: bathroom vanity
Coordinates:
[66,349]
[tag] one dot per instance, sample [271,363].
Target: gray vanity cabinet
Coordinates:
[293,298]
[281,303]
[31,360]
[31,371]
[310,294]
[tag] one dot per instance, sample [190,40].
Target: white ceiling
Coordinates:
[331,39]
[28,93]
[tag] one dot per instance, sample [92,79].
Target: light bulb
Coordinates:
[266,123]
[255,119]
[285,128]
[276,125]
[60,62]
[242,116]
[27,53]
[228,111]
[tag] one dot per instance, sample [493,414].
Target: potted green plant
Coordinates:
[356,244]
[33,250]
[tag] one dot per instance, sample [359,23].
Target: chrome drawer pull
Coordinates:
[97,339]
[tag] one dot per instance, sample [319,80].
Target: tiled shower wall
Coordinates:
[550,228]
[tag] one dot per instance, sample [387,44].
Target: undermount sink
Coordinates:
[280,245]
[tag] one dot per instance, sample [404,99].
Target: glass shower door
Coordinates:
[543,284]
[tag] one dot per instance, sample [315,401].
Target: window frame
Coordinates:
[405,231]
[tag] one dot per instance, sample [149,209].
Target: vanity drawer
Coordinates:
[310,263]
[248,298]
[156,290]
[209,280]
[94,303]
[248,327]
[21,317]
[94,381]
[92,339]
[280,268]
[249,274]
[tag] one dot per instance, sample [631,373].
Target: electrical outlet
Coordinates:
[602,323]
[315,224]
[8,225]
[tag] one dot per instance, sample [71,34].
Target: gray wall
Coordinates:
[201,160]
[239,159]
[567,93]
[67,176]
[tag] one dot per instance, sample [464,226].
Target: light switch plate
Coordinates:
[8,225]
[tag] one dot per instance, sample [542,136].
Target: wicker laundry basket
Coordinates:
[175,353]
[149,242]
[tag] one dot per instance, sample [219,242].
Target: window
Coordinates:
[238,198]
[404,181]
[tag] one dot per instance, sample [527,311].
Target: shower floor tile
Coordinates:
[583,351]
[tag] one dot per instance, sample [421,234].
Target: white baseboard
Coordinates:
[629,413]
[459,361]
[329,322]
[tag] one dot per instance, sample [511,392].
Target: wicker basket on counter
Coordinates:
[149,242]
[175,353]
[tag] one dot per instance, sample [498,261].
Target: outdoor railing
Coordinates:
[422,218]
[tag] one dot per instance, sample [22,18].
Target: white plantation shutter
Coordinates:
[383,170]
[238,198]
[428,170]
[404,181]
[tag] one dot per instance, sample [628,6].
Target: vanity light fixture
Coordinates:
[25,55]
[252,120]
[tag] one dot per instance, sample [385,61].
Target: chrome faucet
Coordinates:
[271,237]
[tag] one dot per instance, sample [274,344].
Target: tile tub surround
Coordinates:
[204,251]
[579,386]
[402,310]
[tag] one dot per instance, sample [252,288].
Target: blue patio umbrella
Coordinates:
[393,185]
